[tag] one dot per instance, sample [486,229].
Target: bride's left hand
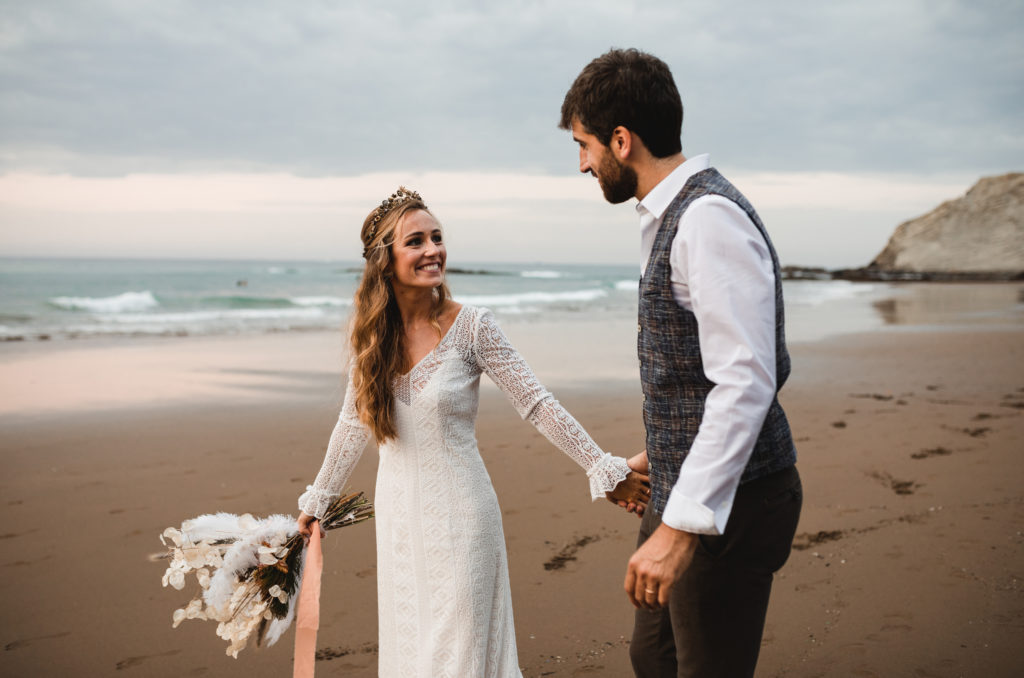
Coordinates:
[305,524]
[633,493]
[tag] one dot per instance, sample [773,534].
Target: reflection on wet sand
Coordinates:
[952,304]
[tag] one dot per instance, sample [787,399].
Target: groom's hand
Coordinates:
[639,463]
[657,565]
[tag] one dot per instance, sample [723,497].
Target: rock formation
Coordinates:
[979,234]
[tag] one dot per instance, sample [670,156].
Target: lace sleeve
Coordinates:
[503,364]
[343,451]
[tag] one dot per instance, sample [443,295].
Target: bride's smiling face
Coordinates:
[418,254]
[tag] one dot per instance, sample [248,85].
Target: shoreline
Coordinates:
[278,303]
[40,378]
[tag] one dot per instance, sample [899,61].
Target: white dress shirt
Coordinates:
[721,271]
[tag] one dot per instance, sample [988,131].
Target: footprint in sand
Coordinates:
[326,654]
[568,553]
[897,486]
[903,486]
[25,642]
[806,540]
[931,452]
[977,432]
[1013,400]
[135,661]
[873,396]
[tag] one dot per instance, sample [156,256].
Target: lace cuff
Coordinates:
[314,502]
[605,475]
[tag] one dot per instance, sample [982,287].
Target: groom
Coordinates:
[726,495]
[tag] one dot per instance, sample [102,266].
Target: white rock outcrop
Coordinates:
[983,231]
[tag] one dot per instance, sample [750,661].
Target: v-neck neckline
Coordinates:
[436,346]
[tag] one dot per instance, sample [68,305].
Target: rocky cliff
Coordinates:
[979,233]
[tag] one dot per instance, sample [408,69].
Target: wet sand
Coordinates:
[907,561]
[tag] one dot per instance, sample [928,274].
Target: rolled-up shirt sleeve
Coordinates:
[722,269]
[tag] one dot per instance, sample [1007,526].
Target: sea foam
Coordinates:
[127,302]
[187,317]
[512,301]
[320,301]
[628,285]
[541,274]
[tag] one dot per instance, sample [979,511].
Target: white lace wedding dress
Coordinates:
[444,603]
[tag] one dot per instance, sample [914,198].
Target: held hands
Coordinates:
[305,523]
[632,493]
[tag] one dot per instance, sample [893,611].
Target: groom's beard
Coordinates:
[617,181]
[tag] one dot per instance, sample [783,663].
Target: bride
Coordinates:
[444,603]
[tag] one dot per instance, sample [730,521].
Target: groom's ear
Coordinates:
[622,143]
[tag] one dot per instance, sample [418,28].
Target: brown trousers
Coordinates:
[713,623]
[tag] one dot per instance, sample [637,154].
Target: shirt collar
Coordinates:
[661,196]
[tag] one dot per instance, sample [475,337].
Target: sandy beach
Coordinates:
[908,559]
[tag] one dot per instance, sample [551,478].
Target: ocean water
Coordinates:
[60,299]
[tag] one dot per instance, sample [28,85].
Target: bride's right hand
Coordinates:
[305,524]
[633,493]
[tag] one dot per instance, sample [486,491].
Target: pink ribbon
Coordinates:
[308,617]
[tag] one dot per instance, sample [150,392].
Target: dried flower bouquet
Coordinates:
[249,570]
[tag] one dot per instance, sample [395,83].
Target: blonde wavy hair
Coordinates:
[377,332]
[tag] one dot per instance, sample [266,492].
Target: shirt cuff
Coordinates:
[685,514]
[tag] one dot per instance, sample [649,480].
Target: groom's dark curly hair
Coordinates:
[630,88]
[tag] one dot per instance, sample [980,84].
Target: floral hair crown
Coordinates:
[400,196]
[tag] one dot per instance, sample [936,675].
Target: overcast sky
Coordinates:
[269,128]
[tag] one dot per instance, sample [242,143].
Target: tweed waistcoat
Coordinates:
[671,370]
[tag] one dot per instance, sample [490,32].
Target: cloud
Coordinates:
[111,87]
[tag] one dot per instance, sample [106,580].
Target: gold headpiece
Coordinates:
[400,196]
